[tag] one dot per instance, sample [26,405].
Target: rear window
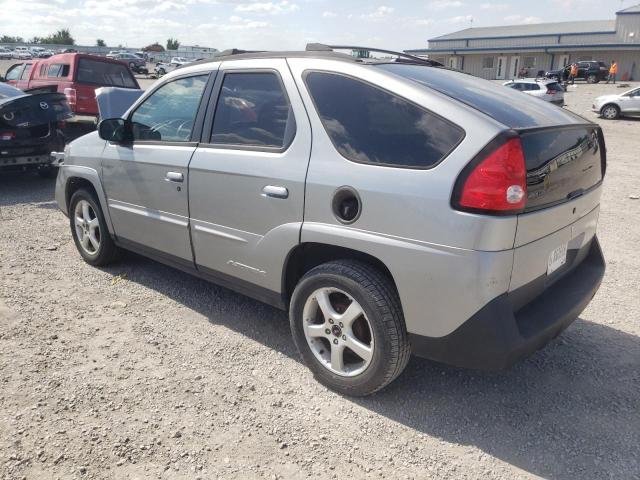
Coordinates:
[104,73]
[555,86]
[58,70]
[503,104]
[369,125]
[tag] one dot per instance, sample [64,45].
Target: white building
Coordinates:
[500,52]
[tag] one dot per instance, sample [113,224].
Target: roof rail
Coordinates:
[320,47]
[236,51]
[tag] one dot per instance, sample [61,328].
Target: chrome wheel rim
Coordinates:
[338,332]
[87,227]
[609,113]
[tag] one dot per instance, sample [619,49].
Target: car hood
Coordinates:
[114,101]
[607,98]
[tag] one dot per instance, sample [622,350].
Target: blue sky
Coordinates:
[283,24]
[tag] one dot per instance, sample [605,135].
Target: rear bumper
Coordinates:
[499,334]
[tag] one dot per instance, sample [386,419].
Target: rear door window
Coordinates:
[26,71]
[370,125]
[104,73]
[168,114]
[253,110]
[58,70]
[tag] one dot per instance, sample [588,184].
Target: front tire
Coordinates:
[348,326]
[89,229]
[592,79]
[610,112]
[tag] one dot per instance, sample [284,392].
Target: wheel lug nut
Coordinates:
[335,340]
[344,337]
[341,325]
[331,320]
[327,331]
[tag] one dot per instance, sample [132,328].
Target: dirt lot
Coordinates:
[139,371]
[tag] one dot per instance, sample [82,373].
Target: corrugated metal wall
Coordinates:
[628,28]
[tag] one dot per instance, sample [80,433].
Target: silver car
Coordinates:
[391,206]
[625,104]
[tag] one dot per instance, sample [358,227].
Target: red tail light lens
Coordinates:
[70,93]
[6,136]
[496,181]
[550,92]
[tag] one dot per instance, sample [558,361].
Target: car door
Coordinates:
[247,177]
[146,181]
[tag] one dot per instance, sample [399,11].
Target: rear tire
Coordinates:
[89,230]
[592,79]
[610,112]
[364,313]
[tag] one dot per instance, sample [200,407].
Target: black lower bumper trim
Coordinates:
[497,336]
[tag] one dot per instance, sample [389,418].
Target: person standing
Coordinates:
[573,73]
[613,71]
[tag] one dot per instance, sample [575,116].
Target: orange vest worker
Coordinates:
[574,70]
[613,70]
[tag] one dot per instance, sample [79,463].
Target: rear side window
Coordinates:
[369,125]
[168,114]
[555,87]
[58,70]
[104,73]
[253,110]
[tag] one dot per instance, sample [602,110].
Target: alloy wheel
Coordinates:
[338,332]
[87,227]
[610,113]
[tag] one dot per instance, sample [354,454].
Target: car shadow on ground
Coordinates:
[18,188]
[550,415]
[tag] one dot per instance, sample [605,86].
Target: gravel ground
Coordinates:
[140,371]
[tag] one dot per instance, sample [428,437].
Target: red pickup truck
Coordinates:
[77,75]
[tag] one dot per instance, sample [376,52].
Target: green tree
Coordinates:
[173,44]
[100,43]
[61,37]
[9,39]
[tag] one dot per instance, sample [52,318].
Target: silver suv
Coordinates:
[391,205]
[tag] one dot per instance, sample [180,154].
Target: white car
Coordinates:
[6,53]
[625,104]
[162,68]
[22,53]
[545,89]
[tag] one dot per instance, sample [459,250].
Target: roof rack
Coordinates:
[320,47]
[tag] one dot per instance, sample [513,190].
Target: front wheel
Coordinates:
[592,79]
[348,325]
[610,112]
[89,229]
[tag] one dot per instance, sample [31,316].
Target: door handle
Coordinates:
[274,191]
[174,177]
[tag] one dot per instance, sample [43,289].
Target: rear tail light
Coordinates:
[70,93]
[6,136]
[495,182]
[550,92]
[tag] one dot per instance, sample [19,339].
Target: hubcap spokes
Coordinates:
[338,331]
[87,227]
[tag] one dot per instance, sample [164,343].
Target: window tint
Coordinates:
[14,72]
[367,124]
[105,73]
[168,114]
[253,110]
[58,70]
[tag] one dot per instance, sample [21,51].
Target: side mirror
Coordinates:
[116,130]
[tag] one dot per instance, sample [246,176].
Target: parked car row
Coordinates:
[162,68]
[28,53]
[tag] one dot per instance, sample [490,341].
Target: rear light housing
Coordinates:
[70,93]
[495,181]
[7,136]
